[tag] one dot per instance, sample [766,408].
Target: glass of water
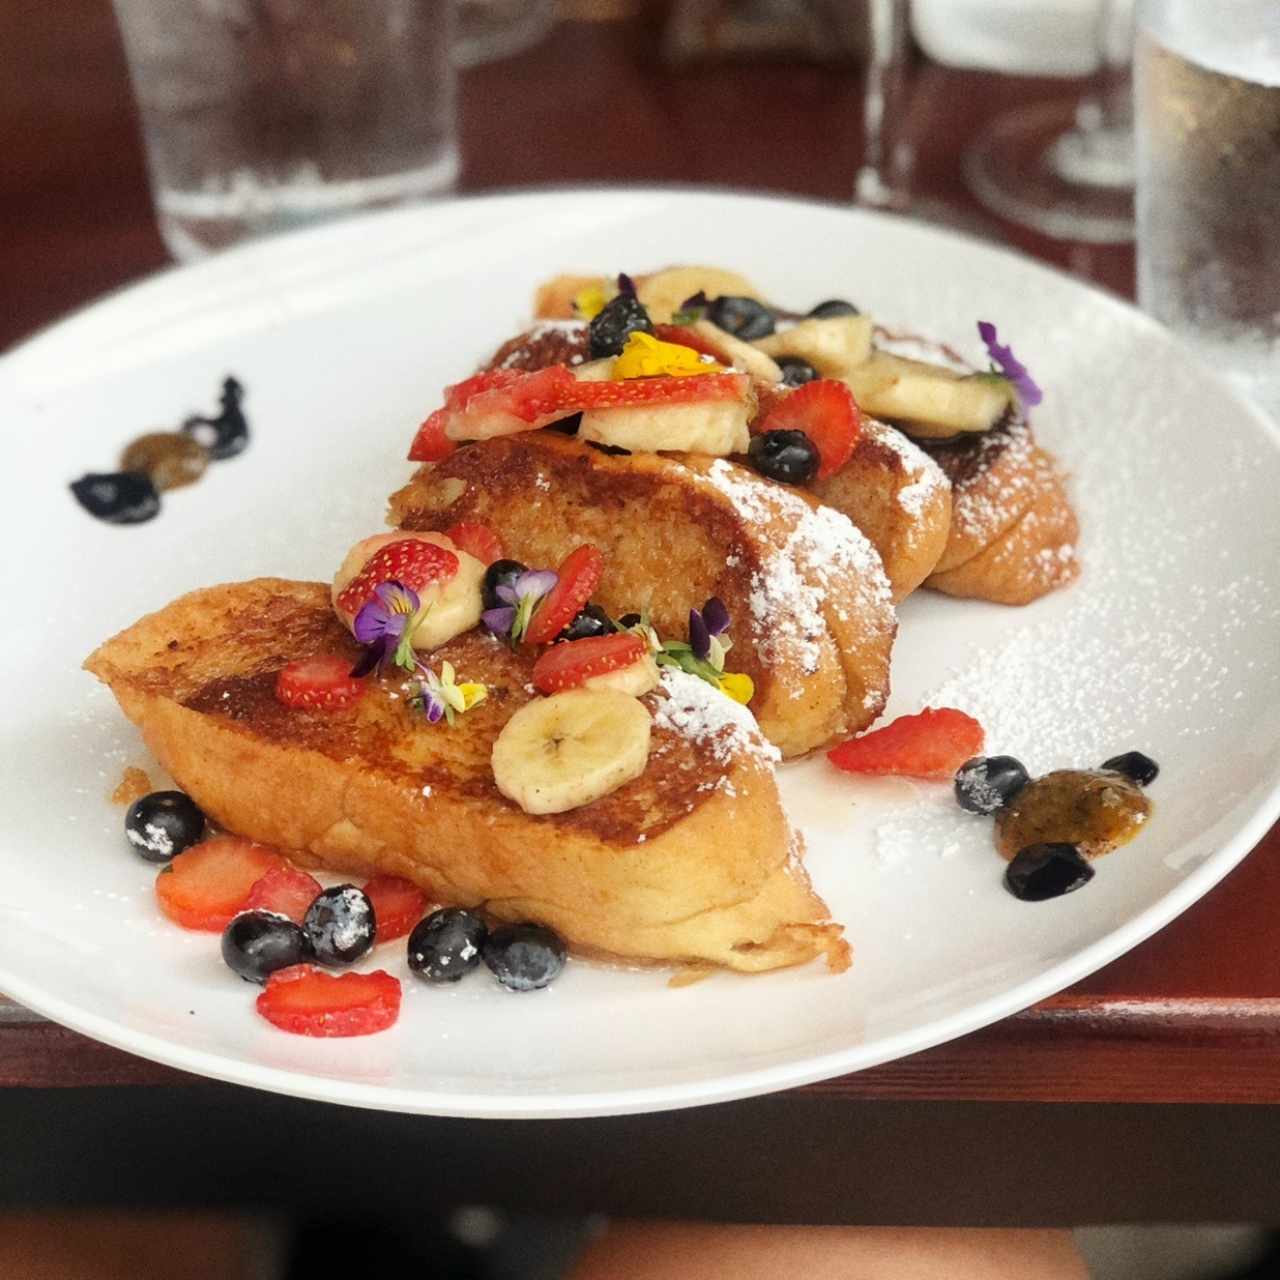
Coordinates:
[1208,147]
[261,115]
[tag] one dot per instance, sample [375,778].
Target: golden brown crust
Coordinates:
[813,617]
[899,497]
[691,862]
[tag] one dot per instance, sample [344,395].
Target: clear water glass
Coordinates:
[263,115]
[1208,150]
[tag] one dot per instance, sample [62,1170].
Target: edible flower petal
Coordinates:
[738,685]
[510,620]
[443,697]
[645,356]
[1007,365]
[385,625]
[706,625]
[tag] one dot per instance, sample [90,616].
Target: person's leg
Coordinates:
[703,1251]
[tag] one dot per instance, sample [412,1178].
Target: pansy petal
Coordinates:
[535,583]
[506,591]
[716,616]
[472,693]
[738,685]
[1009,365]
[371,623]
[433,706]
[699,636]
[499,620]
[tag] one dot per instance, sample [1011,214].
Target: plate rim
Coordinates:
[724,1086]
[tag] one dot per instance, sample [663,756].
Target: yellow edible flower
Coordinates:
[471,694]
[738,686]
[645,356]
[590,302]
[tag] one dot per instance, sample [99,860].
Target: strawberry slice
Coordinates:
[826,412]
[565,666]
[431,444]
[504,401]
[476,540]
[310,1002]
[398,905]
[284,890]
[205,886]
[661,390]
[322,683]
[411,561]
[933,744]
[579,575]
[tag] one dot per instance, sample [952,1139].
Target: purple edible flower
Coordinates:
[520,599]
[380,625]
[432,704]
[1005,363]
[711,620]
[692,309]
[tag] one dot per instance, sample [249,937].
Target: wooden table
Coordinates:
[1137,1061]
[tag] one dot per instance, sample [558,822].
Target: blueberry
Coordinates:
[1135,766]
[524,957]
[796,372]
[118,497]
[833,307]
[590,621]
[621,315]
[789,456]
[499,574]
[227,434]
[446,945]
[257,943]
[987,783]
[567,426]
[745,318]
[628,620]
[161,825]
[340,925]
[1043,871]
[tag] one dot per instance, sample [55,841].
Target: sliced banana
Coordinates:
[833,345]
[742,355]
[637,679]
[456,605]
[717,427]
[928,400]
[562,752]
[664,291]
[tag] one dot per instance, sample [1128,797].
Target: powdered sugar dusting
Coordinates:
[927,478]
[698,711]
[820,561]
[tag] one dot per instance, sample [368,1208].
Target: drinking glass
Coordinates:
[261,115]
[1208,152]
[1066,168]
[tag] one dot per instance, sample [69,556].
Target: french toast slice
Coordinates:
[1013,528]
[813,618]
[899,497]
[694,861]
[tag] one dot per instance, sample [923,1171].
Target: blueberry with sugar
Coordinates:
[501,573]
[623,315]
[590,621]
[987,783]
[161,825]
[340,925]
[524,957]
[446,946]
[831,308]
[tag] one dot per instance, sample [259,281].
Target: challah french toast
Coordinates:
[691,860]
[817,618]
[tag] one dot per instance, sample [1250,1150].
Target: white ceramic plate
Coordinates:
[344,336]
